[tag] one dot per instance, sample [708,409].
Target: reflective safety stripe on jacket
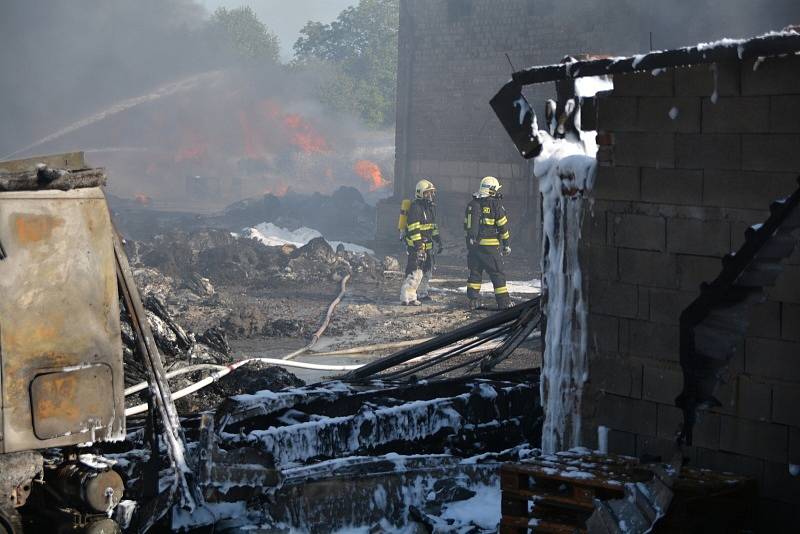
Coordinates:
[422,229]
[486,222]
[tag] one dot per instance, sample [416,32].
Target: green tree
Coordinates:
[361,45]
[247,36]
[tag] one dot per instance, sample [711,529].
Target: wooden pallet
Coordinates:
[556,493]
[546,494]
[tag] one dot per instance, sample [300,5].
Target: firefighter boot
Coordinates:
[503,301]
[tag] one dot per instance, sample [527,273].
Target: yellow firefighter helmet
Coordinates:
[423,186]
[489,187]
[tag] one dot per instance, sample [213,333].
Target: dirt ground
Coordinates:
[369,314]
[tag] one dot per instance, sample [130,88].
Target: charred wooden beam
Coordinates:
[45,178]
[478,327]
[763,46]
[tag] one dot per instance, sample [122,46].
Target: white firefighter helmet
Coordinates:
[423,186]
[489,187]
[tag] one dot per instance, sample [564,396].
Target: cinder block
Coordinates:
[693,270]
[772,358]
[672,186]
[706,431]
[700,237]
[745,189]
[662,384]
[770,152]
[662,449]
[651,340]
[736,115]
[730,463]
[765,320]
[617,183]
[779,484]
[702,80]
[652,269]
[767,441]
[599,262]
[644,84]
[619,376]
[629,415]
[672,114]
[666,305]
[644,149]
[644,304]
[621,443]
[784,114]
[772,76]
[787,286]
[786,404]
[643,232]
[708,151]
[613,298]
[790,321]
[753,399]
[603,333]
[794,445]
[616,114]
[593,230]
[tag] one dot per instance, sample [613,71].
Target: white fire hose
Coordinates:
[220,371]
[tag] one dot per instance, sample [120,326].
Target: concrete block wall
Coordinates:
[689,159]
[452,60]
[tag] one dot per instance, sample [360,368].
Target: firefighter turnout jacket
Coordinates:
[486,224]
[422,229]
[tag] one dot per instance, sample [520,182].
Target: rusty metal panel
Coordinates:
[71,398]
[59,314]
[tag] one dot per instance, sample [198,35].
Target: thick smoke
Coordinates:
[151,91]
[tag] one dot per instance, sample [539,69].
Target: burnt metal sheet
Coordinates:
[59,311]
[74,398]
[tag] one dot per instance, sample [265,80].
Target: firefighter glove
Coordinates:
[506,250]
[421,255]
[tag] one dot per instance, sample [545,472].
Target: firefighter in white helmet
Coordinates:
[486,228]
[421,234]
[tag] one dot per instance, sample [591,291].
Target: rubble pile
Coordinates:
[203,259]
[344,215]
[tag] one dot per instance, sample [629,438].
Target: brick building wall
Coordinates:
[672,197]
[452,61]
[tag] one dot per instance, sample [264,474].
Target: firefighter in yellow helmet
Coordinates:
[486,228]
[420,234]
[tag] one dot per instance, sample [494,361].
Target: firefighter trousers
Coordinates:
[485,258]
[418,275]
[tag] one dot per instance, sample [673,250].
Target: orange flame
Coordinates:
[192,147]
[304,136]
[279,190]
[371,173]
[142,199]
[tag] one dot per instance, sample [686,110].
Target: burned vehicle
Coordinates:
[61,371]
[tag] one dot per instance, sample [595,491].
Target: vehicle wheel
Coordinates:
[10,521]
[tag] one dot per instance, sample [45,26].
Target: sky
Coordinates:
[287,17]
